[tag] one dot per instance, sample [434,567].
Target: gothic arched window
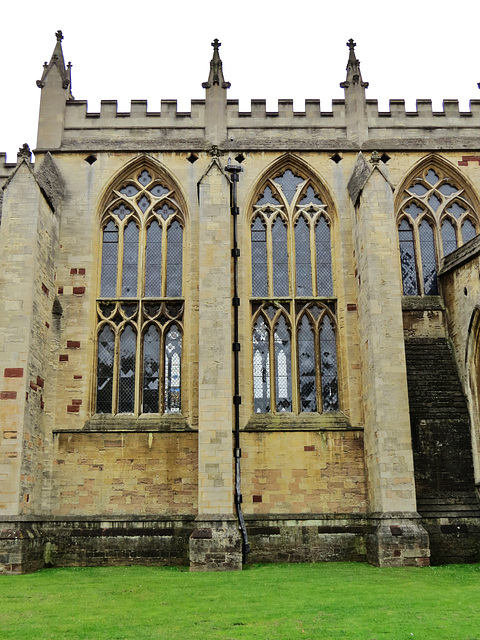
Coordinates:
[294,340]
[435,218]
[140,307]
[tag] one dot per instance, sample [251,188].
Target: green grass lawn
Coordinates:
[266,602]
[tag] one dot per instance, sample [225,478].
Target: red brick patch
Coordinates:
[13,372]
[77,377]
[466,159]
[76,403]
[45,289]
[309,447]
[40,382]
[73,272]
[47,325]
[73,408]
[33,386]
[63,357]
[60,290]
[78,290]
[81,272]
[257,498]
[73,344]
[8,395]
[351,307]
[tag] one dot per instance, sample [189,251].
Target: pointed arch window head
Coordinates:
[141,294]
[291,239]
[291,258]
[436,216]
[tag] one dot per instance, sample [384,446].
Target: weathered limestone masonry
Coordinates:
[358,337]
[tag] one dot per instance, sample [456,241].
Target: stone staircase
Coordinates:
[440,426]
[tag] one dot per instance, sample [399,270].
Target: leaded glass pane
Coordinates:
[434,202]
[306,367]
[143,203]
[174,259]
[122,211]
[418,189]
[328,366]
[468,231]
[261,368]
[413,210]
[151,370]
[303,262]
[407,259]
[144,178]
[106,350]
[429,262]
[283,366]
[130,260]
[432,177]
[173,358]
[456,209]
[129,191]
[324,258]
[289,183]
[126,385]
[158,190]
[166,212]
[447,189]
[267,198]
[449,238]
[259,258]
[310,197]
[280,258]
[109,260]
[153,261]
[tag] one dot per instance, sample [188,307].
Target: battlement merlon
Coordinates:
[260,129]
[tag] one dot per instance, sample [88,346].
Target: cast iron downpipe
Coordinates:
[234,170]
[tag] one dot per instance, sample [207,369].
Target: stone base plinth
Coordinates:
[21,548]
[216,544]
[397,540]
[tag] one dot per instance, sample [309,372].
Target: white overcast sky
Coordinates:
[158,49]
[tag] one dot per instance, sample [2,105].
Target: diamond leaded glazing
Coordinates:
[291,263]
[142,256]
[435,207]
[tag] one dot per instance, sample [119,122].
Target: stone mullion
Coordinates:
[161,371]
[268,229]
[121,234]
[418,257]
[138,367]
[313,255]
[164,259]
[318,362]
[294,359]
[271,359]
[116,368]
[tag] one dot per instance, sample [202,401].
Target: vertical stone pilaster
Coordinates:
[215,544]
[399,539]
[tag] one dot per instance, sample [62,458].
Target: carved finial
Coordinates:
[354,75]
[58,61]
[24,153]
[375,158]
[215,77]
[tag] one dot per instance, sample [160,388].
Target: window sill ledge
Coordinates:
[129,423]
[304,422]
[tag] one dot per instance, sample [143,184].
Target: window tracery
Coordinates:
[140,308]
[436,217]
[294,329]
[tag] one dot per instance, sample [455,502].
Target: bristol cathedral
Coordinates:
[231,337]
